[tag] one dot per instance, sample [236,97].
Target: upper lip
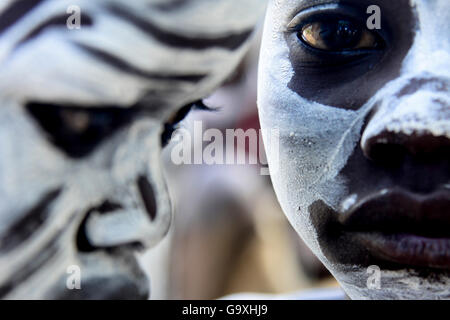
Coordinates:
[401,211]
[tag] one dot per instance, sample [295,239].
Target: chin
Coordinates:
[395,284]
[411,262]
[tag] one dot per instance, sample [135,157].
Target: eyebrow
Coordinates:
[306,4]
[302,5]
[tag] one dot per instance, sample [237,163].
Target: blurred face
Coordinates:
[364,120]
[83,112]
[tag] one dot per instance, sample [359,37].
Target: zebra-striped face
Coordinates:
[364,120]
[81,117]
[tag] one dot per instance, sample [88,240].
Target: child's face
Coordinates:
[364,120]
[82,116]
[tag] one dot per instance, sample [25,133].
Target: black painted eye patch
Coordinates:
[78,130]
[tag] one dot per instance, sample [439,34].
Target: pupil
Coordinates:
[339,35]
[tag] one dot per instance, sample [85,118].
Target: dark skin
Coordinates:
[390,205]
[403,163]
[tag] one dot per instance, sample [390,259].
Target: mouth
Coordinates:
[402,227]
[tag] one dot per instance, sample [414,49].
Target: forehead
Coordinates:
[170,51]
[217,15]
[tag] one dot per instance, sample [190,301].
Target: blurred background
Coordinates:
[229,234]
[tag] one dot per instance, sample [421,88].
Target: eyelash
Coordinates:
[171,126]
[341,13]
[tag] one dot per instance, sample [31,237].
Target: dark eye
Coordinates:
[78,130]
[338,35]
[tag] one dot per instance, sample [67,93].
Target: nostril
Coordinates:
[384,150]
[390,147]
[148,196]
[82,242]
[427,145]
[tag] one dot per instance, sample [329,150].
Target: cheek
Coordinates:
[316,141]
[29,165]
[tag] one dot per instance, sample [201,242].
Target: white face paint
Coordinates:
[93,209]
[317,140]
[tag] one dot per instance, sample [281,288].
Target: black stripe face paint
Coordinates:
[124,66]
[58,21]
[231,41]
[16,11]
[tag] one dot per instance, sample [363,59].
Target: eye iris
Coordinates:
[332,35]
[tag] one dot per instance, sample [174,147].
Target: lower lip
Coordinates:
[408,249]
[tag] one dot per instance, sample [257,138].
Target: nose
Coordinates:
[112,224]
[414,122]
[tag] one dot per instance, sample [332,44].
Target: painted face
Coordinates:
[364,120]
[81,119]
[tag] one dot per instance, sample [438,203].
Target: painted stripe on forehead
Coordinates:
[55,21]
[15,12]
[171,5]
[230,41]
[124,66]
